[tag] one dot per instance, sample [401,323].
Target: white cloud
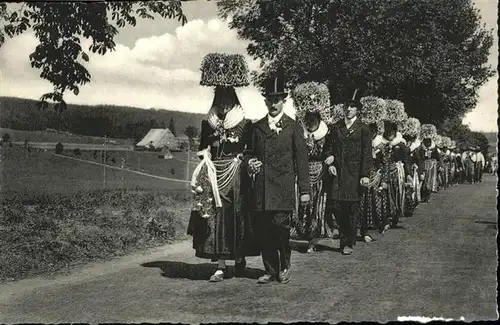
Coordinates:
[484,116]
[160,71]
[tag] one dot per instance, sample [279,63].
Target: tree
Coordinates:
[453,128]
[480,140]
[463,136]
[191,132]
[172,126]
[60,27]
[6,137]
[430,54]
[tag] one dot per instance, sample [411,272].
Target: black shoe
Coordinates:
[239,268]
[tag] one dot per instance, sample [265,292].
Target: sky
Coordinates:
[156,64]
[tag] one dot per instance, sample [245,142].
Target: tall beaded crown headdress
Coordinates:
[312,97]
[428,131]
[411,127]
[396,112]
[374,110]
[225,70]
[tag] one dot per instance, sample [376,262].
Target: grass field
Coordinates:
[41,172]
[147,162]
[44,136]
[67,214]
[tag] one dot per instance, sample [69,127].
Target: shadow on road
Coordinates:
[181,270]
[486,222]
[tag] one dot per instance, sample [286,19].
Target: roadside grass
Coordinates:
[55,213]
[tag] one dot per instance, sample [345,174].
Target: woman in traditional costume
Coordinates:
[411,133]
[468,160]
[439,140]
[312,105]
[447,160]
[431,156]
[373,203]
[453,166]
[219,223]
[396,165]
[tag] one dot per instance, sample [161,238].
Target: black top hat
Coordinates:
[275,86]
[354,101]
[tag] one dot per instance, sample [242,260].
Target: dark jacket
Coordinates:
[284,159]
[417,158]
[400,152]
[352,150]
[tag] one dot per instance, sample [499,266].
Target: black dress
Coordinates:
[311,222]
[227,232]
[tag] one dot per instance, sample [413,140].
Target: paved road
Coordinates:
[442,263]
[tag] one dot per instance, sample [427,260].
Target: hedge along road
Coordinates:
[441,263]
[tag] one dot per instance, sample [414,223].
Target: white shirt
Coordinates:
[480,158]
[273,120]
[349,123]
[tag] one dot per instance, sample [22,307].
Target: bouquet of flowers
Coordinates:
[226,70]
[312,97]
[204,187]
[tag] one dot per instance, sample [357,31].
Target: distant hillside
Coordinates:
[119,122]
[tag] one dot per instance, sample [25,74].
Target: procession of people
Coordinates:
[358,167]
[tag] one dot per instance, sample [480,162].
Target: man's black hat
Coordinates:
[275,86]
[354,101]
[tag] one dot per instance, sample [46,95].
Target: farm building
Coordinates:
[158,139]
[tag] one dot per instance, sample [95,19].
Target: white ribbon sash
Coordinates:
[212,175]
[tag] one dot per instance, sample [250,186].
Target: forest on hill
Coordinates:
[120,122]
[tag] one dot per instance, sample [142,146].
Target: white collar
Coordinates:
[276,119]
[397,140]
[415,144]
[378,140]
[432,146]
[350,122]
[319,134]
[232,118]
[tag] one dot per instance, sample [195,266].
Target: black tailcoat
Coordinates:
[352,150]
[284,159]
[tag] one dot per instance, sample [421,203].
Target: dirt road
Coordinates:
[442,262]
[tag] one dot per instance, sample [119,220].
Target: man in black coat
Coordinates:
[348,148]
[279,158]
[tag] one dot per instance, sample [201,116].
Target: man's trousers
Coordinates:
[273,231]
[346,213]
